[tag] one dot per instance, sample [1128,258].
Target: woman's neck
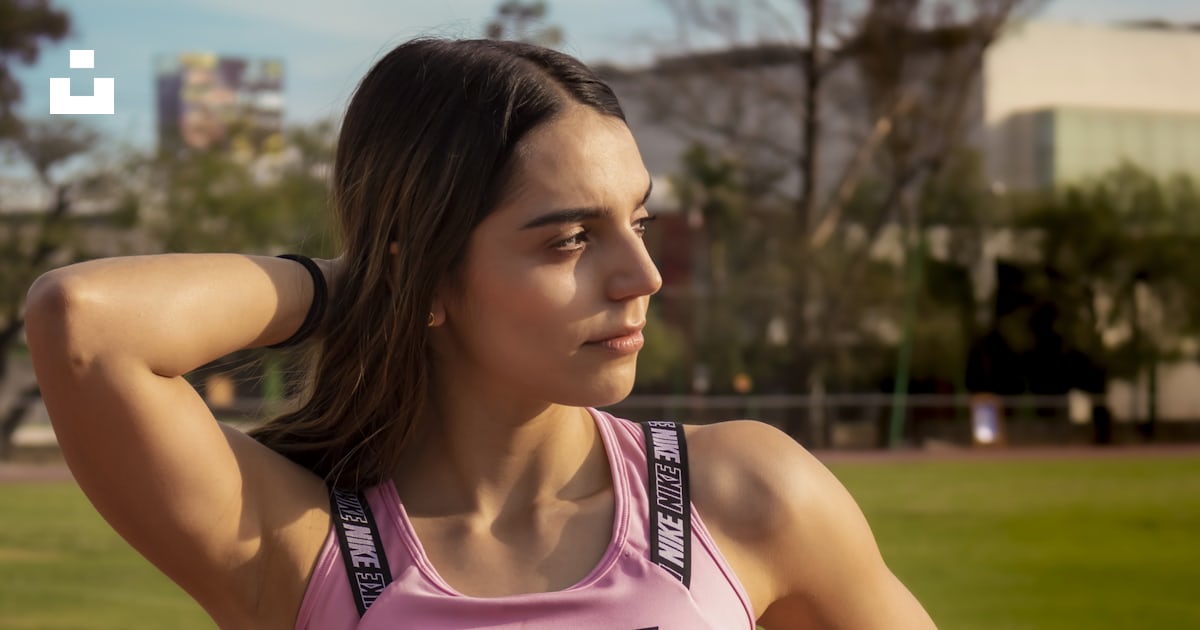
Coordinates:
[497,458]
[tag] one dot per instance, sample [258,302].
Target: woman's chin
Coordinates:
[603,390]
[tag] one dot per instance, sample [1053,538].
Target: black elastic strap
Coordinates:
[316,308]
[362,551]
[670,500]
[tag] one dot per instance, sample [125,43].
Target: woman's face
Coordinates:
[556,281]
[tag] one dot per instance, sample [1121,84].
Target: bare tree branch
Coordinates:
[831,214]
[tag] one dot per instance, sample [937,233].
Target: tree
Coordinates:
[35,240]
[1111,289]
[959,207]
[29,242]
[523,22]
[818,99]
[25,27]
[210,201]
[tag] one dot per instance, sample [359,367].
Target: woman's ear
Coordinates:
[437,314]
[439,304]
[437,311]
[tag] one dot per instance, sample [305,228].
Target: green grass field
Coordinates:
[1041,544]
[1078,543]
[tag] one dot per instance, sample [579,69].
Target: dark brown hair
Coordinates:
[426,151]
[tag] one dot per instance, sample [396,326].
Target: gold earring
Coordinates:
[430,322]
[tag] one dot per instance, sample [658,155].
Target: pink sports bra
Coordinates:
[661,570]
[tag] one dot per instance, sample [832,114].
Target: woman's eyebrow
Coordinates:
[575,215]
[570,215]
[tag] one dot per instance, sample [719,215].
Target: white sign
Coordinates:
[102,100]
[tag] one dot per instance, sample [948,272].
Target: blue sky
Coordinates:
[327,45]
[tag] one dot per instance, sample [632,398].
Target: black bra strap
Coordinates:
[670,500]
[362,551]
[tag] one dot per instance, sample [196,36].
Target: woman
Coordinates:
[491,294]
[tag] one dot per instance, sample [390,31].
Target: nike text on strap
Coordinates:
[366,565]
[670,501]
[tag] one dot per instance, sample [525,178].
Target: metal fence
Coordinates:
[847,421]
[864,420]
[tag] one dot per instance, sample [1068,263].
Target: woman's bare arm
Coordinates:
[111,340]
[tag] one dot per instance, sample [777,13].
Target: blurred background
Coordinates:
[948,223]
[934,238]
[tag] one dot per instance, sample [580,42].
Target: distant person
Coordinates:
[448,468]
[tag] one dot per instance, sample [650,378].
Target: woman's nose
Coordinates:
[634,272]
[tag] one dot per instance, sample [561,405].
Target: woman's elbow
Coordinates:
[54,309]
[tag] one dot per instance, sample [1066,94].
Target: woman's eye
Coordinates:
[640,225]
[572,242]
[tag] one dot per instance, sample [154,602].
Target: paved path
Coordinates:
[27,473]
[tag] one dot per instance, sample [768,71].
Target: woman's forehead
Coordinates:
[582,157]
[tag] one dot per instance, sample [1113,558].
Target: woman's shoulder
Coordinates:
[768,499]
[748,477]
[799,542]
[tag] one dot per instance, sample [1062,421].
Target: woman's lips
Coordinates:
[625,344]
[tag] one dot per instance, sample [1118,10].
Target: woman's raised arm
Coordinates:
[220,514]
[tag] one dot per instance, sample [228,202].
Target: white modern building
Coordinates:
[1063,102]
